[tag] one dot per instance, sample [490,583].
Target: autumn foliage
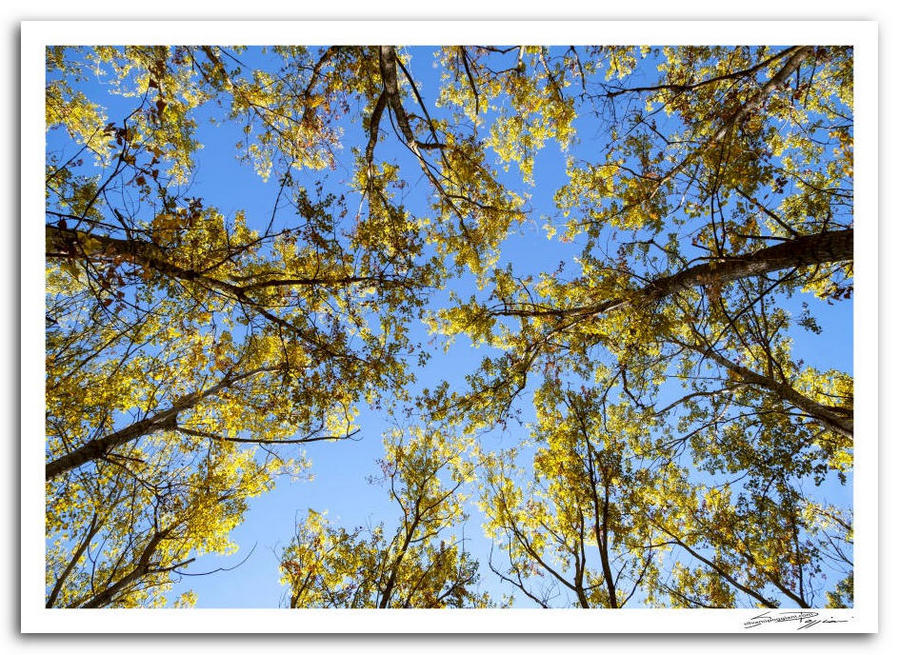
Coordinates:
[664,445]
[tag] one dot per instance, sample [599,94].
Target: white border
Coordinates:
[37,35]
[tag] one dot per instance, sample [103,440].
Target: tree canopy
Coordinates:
[637,241]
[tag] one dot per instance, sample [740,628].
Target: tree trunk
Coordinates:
[823,248]
[141,568]
[830,418]
[814,249]
[67,243]
[162,420]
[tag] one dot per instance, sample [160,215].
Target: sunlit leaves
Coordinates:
[420,563]
[702,207]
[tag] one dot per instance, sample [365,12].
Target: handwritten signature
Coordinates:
[806,619]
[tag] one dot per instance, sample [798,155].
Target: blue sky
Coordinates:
[341,469]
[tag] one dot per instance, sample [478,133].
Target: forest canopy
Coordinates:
[591,304]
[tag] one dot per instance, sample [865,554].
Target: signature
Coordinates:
[805,618]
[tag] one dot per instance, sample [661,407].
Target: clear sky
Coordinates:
[341,469]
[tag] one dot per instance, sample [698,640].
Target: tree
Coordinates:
[420,565]
[126,530]
[579,527]
[610,515]
[167,318]
[706,213]
[718,160]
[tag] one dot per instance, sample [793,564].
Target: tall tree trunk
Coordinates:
[832,418]
[163,420]
[68,243]
[813,249]
[141,568]
[822,248]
